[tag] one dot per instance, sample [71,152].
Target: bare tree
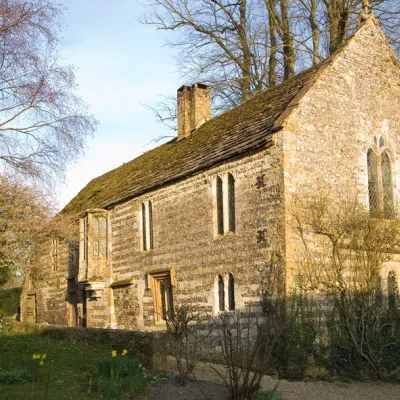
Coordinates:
[43,123]
[224,44]
[26,221]
[242,46]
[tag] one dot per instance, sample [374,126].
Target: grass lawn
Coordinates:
[67,363]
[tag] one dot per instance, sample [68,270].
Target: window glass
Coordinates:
[221,293]
[104,226]
[231,292]
[104,247]
[151,224]
[144,234]
[387,185]
[373,183]
[231,197]
[220,207]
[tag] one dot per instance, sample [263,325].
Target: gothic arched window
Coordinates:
[380,179]
[387,185]
[373,191]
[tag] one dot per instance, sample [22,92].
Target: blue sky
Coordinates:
[120,65]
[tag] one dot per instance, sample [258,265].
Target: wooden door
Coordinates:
[31,309]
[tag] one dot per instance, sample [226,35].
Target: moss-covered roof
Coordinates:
[238,131]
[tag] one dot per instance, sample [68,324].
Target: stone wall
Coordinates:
[51,284]
[185,239]
[326,139]
[126,306]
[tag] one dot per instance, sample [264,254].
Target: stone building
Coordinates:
[201,218]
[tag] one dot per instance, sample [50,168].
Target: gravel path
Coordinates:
[209,387]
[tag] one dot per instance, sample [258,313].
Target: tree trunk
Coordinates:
[315,32]
[245,83]
[273,43]
[288,41]
[338,16]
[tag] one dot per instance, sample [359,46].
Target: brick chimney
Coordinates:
[193,108]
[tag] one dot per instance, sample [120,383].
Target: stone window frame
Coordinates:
[146,225]
[224,293]
[224,204]
[163,299]
[380,157]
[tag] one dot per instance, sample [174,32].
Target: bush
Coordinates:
[118,375]
[339,356]
[5,325]
[14,378]
[119,367]
[296,345]
[9,301]
[247,340]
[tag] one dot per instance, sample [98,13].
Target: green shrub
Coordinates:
[340,358]
[119,375]
[14,377]
[113,389]
[119,367]
[9,301]
[296,345]
[5,325]
[377,335]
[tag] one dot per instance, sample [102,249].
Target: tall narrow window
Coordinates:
[221,293]
[96,226]
[231,199]
[220,207]
[144,234]
[85,238]
[381,179]
[100,229]
[147,225]
[54,254]
[387,185]
[373,183]
[231,292]
[150,224]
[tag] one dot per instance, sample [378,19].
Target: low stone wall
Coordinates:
[150,347]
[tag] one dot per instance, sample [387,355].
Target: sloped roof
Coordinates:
[238,131]
[241,130]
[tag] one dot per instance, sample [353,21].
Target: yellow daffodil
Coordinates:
[35,356]
[124,352]
[41,363]
[114,353]
[44,356]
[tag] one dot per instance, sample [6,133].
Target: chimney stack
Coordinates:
[193,108]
